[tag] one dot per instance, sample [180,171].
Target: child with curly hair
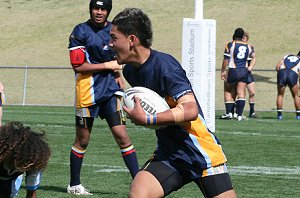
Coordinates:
[21,151]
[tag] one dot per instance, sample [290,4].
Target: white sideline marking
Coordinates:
[247,170]
[146,130]
[287,172]
[259,134]
[41,112]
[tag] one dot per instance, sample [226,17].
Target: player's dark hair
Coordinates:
[23,149]
[103,4]
[238,33]
[134,21]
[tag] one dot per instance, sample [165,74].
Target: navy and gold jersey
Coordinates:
[239,53]
[92,88]
[193,147]
[291,62]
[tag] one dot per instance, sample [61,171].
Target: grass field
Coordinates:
[35,33]
[263,154]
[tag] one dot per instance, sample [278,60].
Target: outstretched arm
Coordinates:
[80,64]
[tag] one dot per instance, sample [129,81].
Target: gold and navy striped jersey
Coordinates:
[92,88]
[192,146]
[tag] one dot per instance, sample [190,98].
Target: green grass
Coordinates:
[262,154]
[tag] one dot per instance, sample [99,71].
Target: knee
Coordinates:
[252,95]
[82,143]
[136,193]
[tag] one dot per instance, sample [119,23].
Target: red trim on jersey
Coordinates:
[77,57]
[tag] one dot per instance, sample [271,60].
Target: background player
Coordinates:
[2,100]
[236,56]
[187,151]
[251,81]
[98,94]
[21,151]
[288,69]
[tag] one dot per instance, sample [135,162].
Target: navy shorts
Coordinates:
[213,182]
[238,75]
[287,77]
[111,110]
[250,78]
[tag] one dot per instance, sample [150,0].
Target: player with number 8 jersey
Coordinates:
[237,55]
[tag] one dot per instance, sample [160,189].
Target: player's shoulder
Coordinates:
[169,62]
[229,43]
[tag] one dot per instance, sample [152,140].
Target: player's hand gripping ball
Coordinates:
[151,102]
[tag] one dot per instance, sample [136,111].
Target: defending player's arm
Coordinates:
[185,110]
[80,64]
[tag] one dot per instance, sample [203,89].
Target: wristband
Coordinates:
[148,119]
[154,119]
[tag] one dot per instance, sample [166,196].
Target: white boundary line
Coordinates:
[258,134]
[292,172]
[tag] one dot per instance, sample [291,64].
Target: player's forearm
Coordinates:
[31,194]
[252,64]
[278,65]
[223,69]
[92,68]
[186,110]
[89,68]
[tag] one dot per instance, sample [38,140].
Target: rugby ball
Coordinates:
[150,101]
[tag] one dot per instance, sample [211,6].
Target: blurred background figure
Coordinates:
[2,101]
[22,151]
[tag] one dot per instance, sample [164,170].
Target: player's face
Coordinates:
[99,15]
[245,38]
[120,44]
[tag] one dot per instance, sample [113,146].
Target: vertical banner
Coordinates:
[199,62]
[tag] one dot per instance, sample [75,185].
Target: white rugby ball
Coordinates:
[150,101]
